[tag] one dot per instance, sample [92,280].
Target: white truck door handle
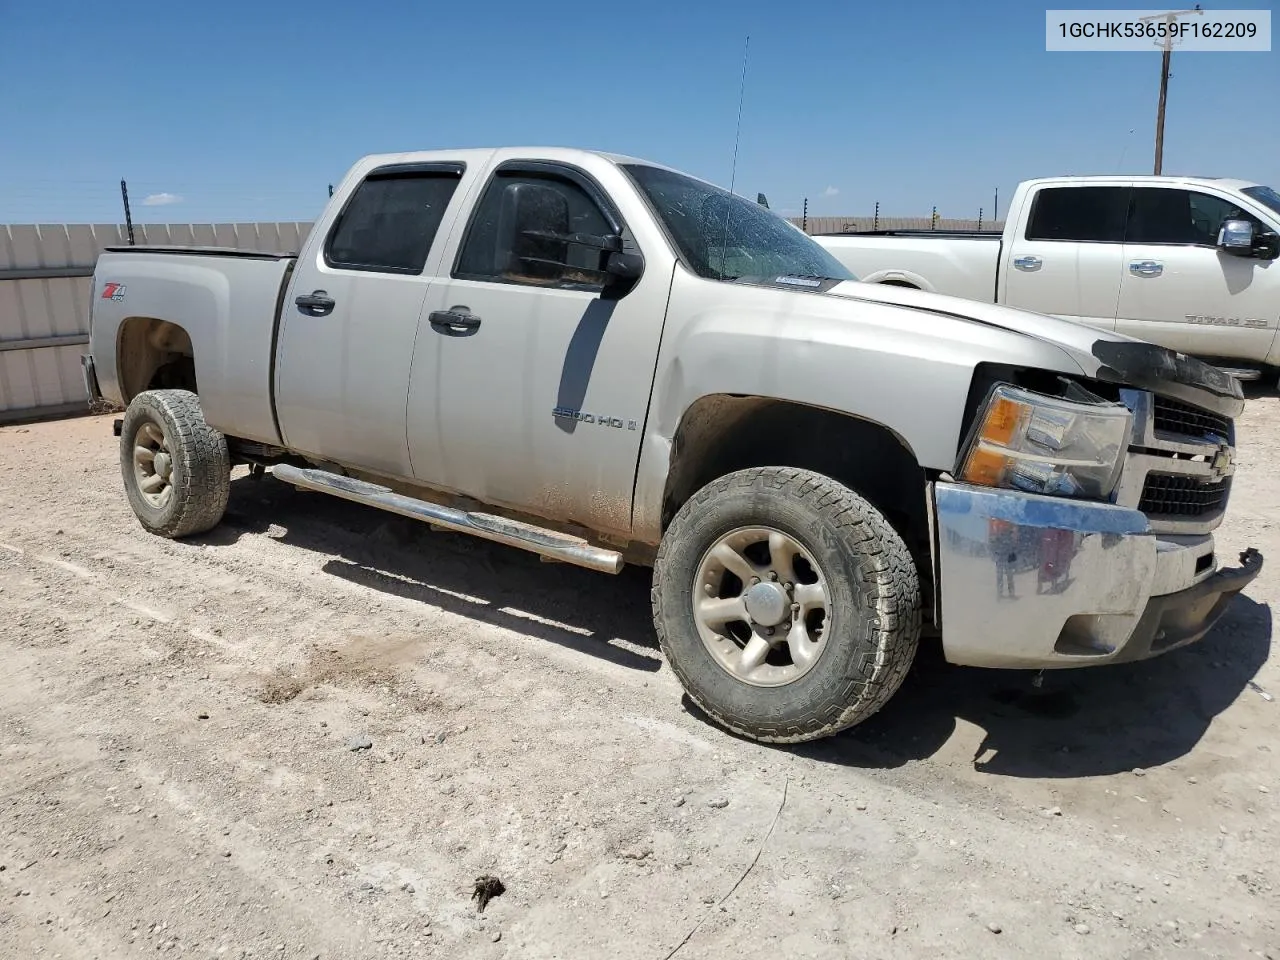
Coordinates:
[1027,263]
[1146,268]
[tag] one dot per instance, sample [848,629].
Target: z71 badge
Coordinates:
[568,413]
[113,291]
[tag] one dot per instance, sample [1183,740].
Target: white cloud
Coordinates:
[161,199]
[830,191]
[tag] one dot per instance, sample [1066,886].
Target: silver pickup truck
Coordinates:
[604,361]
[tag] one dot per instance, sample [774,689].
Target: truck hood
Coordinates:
[1075,339]
[1100,354]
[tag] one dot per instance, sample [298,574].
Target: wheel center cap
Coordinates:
[163,466]
[767,604]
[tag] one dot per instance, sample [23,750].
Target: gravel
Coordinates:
[580,749]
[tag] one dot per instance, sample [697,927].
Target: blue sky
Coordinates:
[236,110]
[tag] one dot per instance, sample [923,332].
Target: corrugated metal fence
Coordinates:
[44,299]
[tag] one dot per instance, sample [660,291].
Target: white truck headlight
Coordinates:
[1042,444]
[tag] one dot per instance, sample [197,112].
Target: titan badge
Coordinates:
[1253,323]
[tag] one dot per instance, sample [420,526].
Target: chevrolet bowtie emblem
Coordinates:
[1222,461]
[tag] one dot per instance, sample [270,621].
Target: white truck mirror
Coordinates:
[1236,236]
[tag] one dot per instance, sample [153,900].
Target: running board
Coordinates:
[546,543]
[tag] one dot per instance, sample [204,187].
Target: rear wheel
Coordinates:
[176,468]
[786,604]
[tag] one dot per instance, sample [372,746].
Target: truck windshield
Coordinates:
[1265,196]
[724,237]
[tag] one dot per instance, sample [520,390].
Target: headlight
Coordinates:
[1044,444]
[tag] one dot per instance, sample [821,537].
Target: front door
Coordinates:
[1064,258]
[350,318]
[530,385]
[1181,291]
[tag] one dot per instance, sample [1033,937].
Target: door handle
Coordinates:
[1027,263]
[454,322]
[1146,268]
[316,304]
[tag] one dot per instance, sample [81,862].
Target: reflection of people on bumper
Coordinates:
[1057,549]
[1002,540]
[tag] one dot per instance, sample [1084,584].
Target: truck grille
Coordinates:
[1172,416]
[1170,473]
[1169,495]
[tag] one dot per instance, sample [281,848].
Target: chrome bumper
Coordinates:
[1041,582]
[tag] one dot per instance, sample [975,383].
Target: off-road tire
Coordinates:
[871,638]
[201,465]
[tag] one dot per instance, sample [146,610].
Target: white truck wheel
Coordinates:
[786,604]
[176,469]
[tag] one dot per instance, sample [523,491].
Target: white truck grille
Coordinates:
[1180,462]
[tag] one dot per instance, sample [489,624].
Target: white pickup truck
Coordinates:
[1186,262]
[602,360]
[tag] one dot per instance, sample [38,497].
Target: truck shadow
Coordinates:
[606,617]
[1264,389]
[1078,723]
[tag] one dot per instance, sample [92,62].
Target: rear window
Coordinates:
[391,220]
[1082,214]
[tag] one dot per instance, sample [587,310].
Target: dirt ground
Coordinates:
[177,774]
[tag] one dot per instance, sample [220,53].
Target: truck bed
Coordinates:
[958,264]
[149,301]
[204,252]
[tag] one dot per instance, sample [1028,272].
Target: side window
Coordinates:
[1083,214]
[1162,215]
[390,221]
[534,229]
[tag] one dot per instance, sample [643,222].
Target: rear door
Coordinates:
[1180,290]
[1065,257]
[350,317]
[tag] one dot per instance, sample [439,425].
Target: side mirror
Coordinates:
[534,243]
[622,270]
[526,243]
[1236,237]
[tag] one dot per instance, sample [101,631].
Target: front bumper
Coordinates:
[1043,582]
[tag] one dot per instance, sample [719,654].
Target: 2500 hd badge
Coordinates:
[568,413]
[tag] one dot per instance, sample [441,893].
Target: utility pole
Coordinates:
[1167,45]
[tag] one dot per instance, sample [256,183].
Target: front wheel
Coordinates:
[176,468]
[786,604]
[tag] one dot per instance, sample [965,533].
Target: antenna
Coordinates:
[742,92]
[733,173]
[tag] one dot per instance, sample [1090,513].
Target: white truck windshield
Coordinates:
[726,237]
[1265,196]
